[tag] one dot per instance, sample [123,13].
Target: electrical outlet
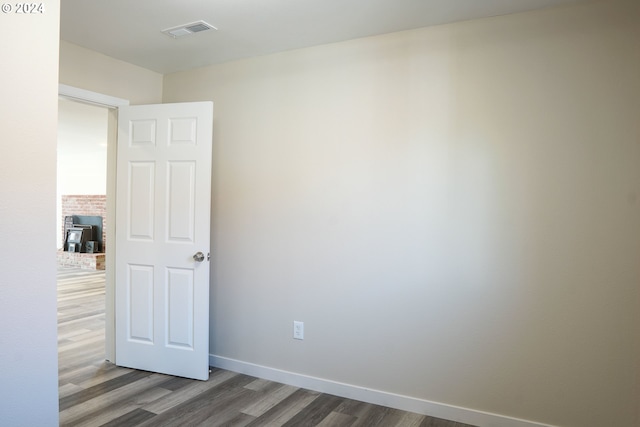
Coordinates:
[298,330]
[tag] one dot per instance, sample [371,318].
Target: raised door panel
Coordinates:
[181,201]
[141,200]
[179,317]
[140,297]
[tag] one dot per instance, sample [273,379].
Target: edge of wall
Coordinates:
[392,400]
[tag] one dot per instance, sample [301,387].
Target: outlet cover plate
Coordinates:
[298,330]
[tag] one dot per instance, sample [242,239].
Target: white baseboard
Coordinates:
[405,403]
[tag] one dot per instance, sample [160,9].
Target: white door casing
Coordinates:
[163,194]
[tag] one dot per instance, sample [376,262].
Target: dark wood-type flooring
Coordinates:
[94,392]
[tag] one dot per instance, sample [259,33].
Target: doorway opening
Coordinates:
[109,104]
[81,184]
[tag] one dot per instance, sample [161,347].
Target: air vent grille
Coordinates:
[198,27]
[188,29]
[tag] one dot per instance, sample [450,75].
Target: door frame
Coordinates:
[112,103]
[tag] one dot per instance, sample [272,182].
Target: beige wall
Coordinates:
[28,109]
[89,70]
[454,212]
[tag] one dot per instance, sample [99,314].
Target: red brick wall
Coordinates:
[91,205]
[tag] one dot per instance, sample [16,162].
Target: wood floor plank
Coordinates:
[99,374]
[286,409]
[439,422]
[411,419]
[259,384]
[190,391]
[337,419]
[102,388]
[198,409]
[73,376]
[314,412]
[268,400]
[240,420]
[176,383]
[379,416]
[106,411]
[71,333]
[132,418]
[227,413]
[129,393]
[353,407]
[68,389]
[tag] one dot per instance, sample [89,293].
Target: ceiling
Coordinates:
[131,30]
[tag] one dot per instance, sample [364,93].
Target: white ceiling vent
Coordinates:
[188,29]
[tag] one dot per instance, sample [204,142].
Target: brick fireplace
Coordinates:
[84,205]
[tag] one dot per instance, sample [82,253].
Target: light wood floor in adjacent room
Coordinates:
[97,393]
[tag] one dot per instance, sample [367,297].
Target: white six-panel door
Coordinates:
[162,226]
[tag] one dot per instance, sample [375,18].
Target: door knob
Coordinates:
[198,257]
